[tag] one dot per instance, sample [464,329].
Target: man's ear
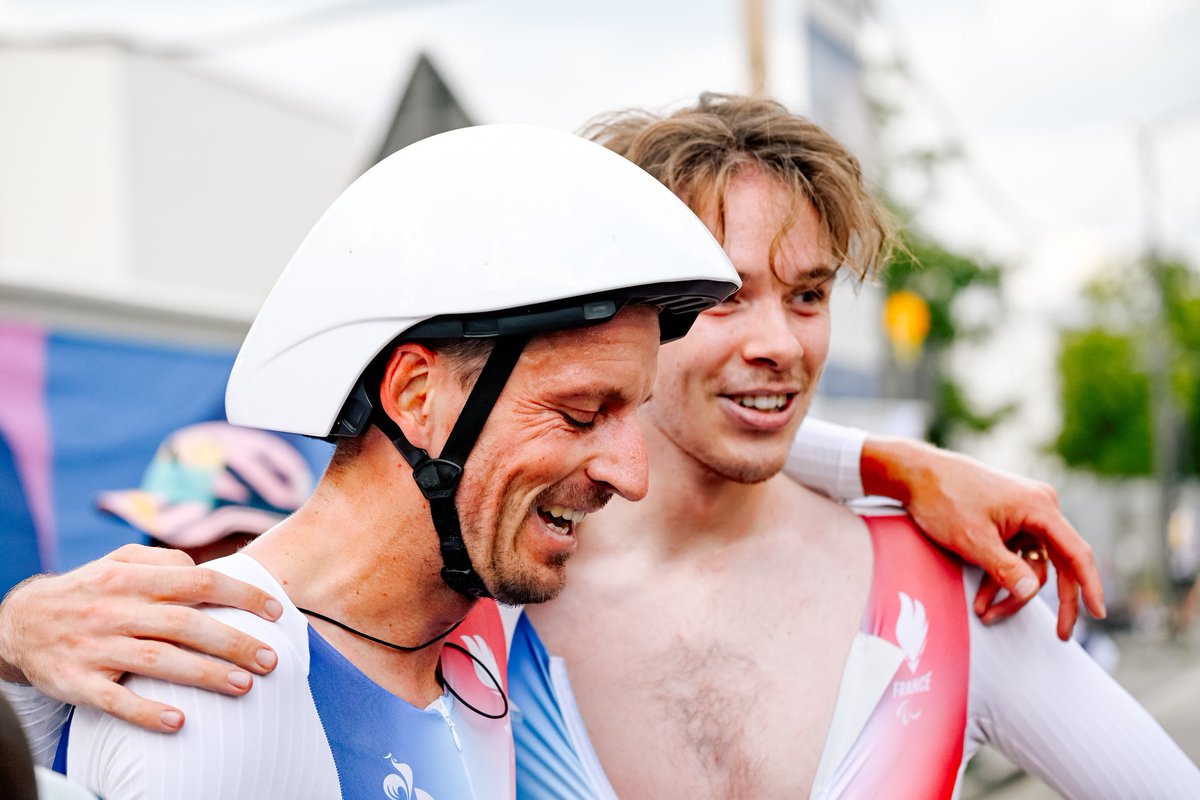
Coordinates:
[406,391]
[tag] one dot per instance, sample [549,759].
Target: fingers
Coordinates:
[1072,556]
[1021,578]
[989,587]
[115,699]
[195,586]
[1068,605]
[169,663]
[130,612]
[200,632]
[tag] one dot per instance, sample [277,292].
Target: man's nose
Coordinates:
[768,338]
[620,460]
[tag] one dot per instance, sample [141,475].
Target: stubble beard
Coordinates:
[730,460]
[747,471]
[513,582]
[518,586]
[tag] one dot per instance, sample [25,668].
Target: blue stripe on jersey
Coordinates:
[60,755]
[383,747]
[548,768]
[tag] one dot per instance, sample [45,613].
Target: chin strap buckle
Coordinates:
[437,478]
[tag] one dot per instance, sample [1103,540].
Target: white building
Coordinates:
[138,197]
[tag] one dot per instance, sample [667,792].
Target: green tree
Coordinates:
[1106,404]
[1104,381]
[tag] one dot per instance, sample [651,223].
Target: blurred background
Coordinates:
[160,161]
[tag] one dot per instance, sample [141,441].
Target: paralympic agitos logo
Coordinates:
[912,629]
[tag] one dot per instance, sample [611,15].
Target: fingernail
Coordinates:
[273,608]
[172,719]
[240,679]
[266,658]
[1026,587]
[1103,610]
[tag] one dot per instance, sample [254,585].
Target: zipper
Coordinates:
[445,712]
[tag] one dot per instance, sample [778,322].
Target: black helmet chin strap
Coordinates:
[438,477]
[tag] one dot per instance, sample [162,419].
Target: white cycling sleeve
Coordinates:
[42,718]
[267,743]
[1052,710]
[825,457]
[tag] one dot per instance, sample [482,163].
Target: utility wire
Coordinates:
[216,44]
[952,130]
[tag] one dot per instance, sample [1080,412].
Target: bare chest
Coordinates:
[708,685]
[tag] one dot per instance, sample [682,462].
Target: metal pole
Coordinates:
[1162,404]
[756,47]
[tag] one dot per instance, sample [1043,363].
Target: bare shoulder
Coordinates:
[809,520]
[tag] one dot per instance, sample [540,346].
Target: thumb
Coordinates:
[1014,574]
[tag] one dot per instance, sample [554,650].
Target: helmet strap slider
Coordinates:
[437,478]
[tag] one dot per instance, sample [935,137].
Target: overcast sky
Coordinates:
[1049,97]
[1044,96]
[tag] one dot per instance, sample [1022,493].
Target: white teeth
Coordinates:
[762,402]
[567,514]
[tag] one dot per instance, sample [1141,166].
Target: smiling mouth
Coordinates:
[771,403]
[561,518]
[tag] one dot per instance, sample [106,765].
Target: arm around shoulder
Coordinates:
[268,743]
[825,457]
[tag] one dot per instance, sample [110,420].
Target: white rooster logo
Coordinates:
[484,661]
[400,785]
[911,629]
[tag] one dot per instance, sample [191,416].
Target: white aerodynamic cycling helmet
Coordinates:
[497,231]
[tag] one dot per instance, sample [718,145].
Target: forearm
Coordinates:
[10,620]
[9,672]
[963,505]
[892,467]
[826,457]
[847,463]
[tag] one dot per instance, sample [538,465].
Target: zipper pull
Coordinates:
[450,723]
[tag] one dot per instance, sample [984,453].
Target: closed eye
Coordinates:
[577,423]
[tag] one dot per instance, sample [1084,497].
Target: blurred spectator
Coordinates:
[17,781]
[212,487]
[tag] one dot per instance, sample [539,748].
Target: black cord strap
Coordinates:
[495,682]
[402,648]
[405,649]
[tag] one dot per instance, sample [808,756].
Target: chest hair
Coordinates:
[709,692]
